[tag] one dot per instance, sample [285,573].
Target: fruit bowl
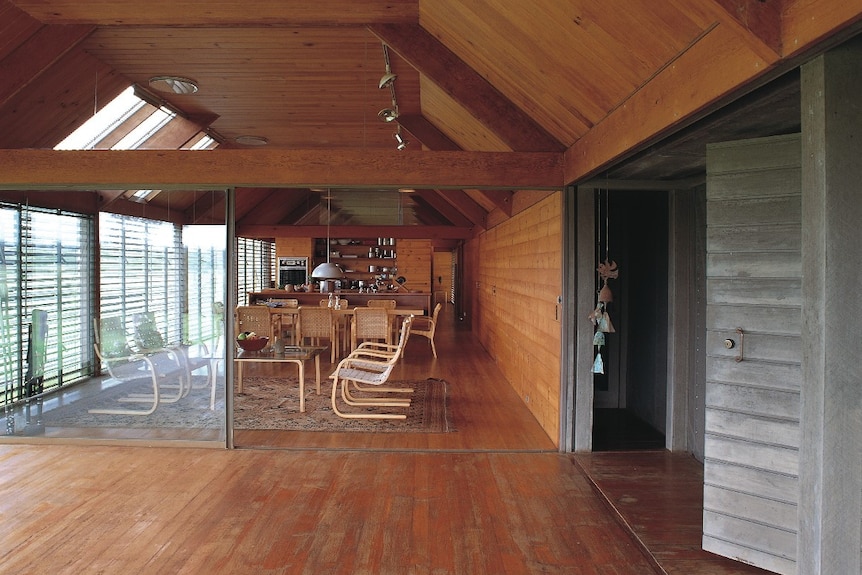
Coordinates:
[255,344]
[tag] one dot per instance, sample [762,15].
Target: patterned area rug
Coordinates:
[191,412]
[273,403]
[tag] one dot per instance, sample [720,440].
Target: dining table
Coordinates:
[341,327]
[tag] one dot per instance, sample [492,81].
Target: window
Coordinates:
[255,267]
[46,264]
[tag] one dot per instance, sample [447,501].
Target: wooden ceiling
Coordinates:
[595,83]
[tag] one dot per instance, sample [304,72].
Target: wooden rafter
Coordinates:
[442,66]
[447,210]
[761,19]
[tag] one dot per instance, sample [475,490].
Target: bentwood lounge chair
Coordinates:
[426,326]
[148,338]
[161,368]
[370,364]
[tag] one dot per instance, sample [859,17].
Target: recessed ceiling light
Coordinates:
[173,84]
[251,140]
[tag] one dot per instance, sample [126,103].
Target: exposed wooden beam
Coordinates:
[36,55]
[447,210]
[465,204]
[218,169]
[409,232]
[442,66]
[763,19]
[427,133]
[501,198]
[710,70]
[222,12]
[805,23]
[277,206]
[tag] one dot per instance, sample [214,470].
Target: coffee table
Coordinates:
[292,354]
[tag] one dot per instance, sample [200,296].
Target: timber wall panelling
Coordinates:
[414,263]
[298,247]
[754,276]
[519,279]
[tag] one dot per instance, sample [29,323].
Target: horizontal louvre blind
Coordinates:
[47,265]
[206,263]
[142,270]
[255,267]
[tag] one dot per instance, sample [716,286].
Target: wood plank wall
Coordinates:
[517,278]
[414,263]
[296,247]
[754,272]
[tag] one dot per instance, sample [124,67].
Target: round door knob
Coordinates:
[729,343]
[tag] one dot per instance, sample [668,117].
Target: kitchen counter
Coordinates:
[354,298]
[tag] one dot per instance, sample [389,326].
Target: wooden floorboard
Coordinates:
[494,497]
[658,496]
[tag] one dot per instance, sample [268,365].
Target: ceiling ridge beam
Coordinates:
[434,60]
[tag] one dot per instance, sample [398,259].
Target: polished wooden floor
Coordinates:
[493,498]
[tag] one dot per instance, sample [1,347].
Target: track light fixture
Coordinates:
[402,143]
[388,78]
[388,114]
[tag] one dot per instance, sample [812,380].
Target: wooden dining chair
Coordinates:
[426,326]
[316,324]
[369,323]
[286,321]
[387,304]
[254,318]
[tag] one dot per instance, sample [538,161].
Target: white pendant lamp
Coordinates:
[327,270]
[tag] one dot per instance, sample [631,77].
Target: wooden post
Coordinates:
[830,469]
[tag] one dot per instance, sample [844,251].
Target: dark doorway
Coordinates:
[631,394]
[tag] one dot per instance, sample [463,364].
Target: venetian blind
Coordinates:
[46,263]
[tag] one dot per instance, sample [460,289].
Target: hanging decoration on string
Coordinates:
[607,270]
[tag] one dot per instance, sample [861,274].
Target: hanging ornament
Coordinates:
[599,338]
[607,270]
[598,364]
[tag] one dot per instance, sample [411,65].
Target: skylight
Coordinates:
[103,123]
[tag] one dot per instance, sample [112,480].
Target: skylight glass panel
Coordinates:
[103,122]
[155,122]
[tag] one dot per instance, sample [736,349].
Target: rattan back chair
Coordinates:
[314,325]
[254,318]
[369,323]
